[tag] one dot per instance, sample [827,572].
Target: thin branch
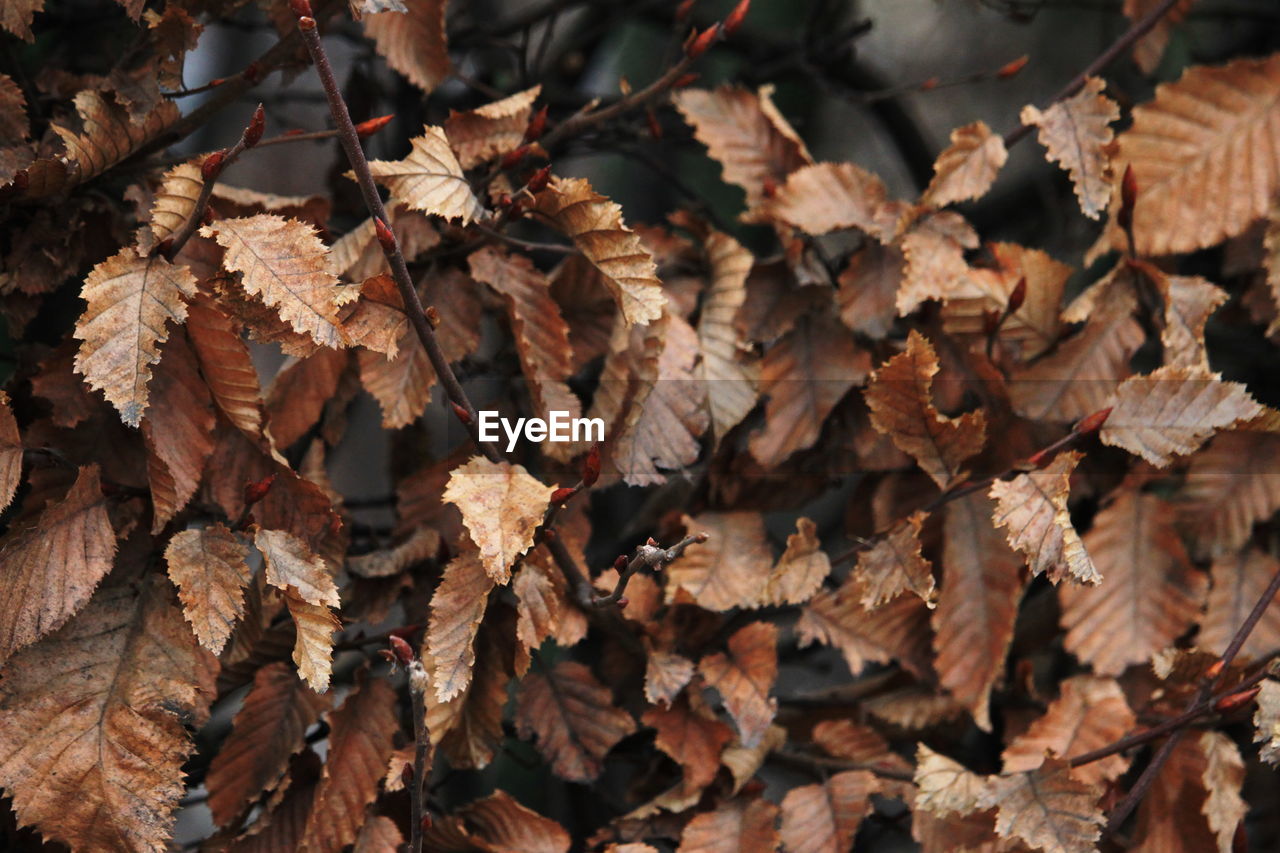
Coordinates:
[651,556]
[419,684]
[823,763]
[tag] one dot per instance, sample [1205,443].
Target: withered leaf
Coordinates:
[1171,816]
[945,787]
[1149,49]
[1266,722]
[413,42]
[665,675]
[16,17]
[177,431]
[869,288]
[692,738]
[968,167]
[131,299]
[1230,485]
[380,833]
[497,823]
[175,200]
[1239,581]
[544,607]
[801,569]
[740,825]
[832,196]
[1089,713]
[731,569]
[290,562]
[1032,507]
[430,178]
[494,129]
[313,643]
[1189,301]
[744,677]
[502,505]
[456,610]
[1076,132]
[574,718]
[468,728]
[934,246]
[1048,809]
[894,564]
[299,392]
[823,818]
[1223,779]
[730,372]
[898,630]
[208,567]
[10,453]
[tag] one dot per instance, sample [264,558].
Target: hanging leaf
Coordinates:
[692,738]
[1149,50]
[430,179]
[1048,809]
[487,132]
[665,675]
[456,611]
[178,431]
[825,817]
[10,453]
[497,822]
[574,718]
[731,569]
[934,246]
[945,787]
[894,564]
[745,677]
[1189,302]
[208,567]
[968,167]
[1266,722]
[898,630]
[1230,486]
[729,371]
[1032,507]
[502,506]
[801,569]
[1089,713]
[834,196]
[869,287]
[413,42]
[291,563]
[1076,132]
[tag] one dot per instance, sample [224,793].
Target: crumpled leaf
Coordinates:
[131,299]
[740,825]
[290,562]
[1076,131]
[692,738]
[413,42]
[898,630]
[933,246]
[468,729]
[498,823]
[944,786]
[869,288]
[900,398]
[10,453]
[801,569]
[430,178]
[731,374]
[731,569]
[502,506]
[1266,722]
[665,675]
[745,677]
[208,567]
[828,197]
[894,564]
[1032,507]
[492,130]
[968,167]
[1089,713]
[825,817]
[574,718]
[1239,580]
[1048,809]
[1189,302]
[457,607]
[177,431]
[16,17]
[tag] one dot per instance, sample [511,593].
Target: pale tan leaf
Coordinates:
[982,583]
[805,375]
[1201,153]
[574,718]
[1089,713]
[692,738]
[728,368]
[92,735]
[108,135]
[359,746]
[744,761]
[131,299]
[869,288]
[1049,810]
[945,787]
[492,130]
[968,167]
[900,398]
[801,569]
[50,565]
[16,17]
[413,42]
[731,569]
[1239,580]
[545,609]
[1173,410]
[665,675]
[208,567]
[457,607]
[358,255]
[898,630]
[430,178]
[824,818]
[915,707]
[377,320]
[745,134]
[267,731]
[226,364]
[468,729]
[175,201]
[10,453]
[739,825]
[1149,595]
[1223,778]
[594,224]
[380,833]
[1189,301]
[833,196]
[1032,507]
[177,430]
[283,262]
[744,678]
[934,247]
[1076,132]
[502,505]
[894,564]
[291,562]
[421,545]
[313,643]
[1266,722]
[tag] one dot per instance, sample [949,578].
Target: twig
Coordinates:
[1138,30]
[419,683]
[350,139]
[653,557]
[527,245]
[823,762]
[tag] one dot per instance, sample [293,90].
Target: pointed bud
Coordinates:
[209,215]
[386,238]
[549,535]
[1214,670]
[537,126]
[1018,296]
[591,467]
[683,10]
[257,124]
[562,494]
[651,118]
[699,44]
[433,316]
[252,73]
[623,601]
[686,79]
[930,84]
[426,822]
[538,180]
[990,322]
[403,651]
[735,18]
[406,773]
[255,491]
[620,563]
[1011,69]
[212,165]
[368,128]
[513,158]
[1128,198]
[1092,423]
[463,414]
[651,542]
[301,8]
[1235,701]
[306,24]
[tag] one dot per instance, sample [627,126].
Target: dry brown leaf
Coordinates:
[1076,133]
[1173,410]
[971,833]
[1032,507]
[1200,153]
[594,224]
[413,42]
[10,453]
[16,17]
[805,375]
[226,364]
[545,608]
[869,287]
[898,630]
[175,201]
[1149,595]
[1089,713]
[744,678]
[49,566]
[280,828]
[380,833]
[457,607]
[430,179]
[502,505]
[1048,809]
[833,196]
[692,738]
[728,369]
[208,567]
[739,825]
[801,569]
[358,255]
[92,739]
[665,675]
[894,564]
[1266,723]
[313,642]
[283,262]
[1171,818]
[266,732]
[856,742]
[745,134]
[290,562]
[497,823]
[968,167]
[824,818]
[574,718]
[1239,580]
[298,394]
[177,430]
[934,247]
[377,320]
[107,135]
[468,728]
[982,583]
[1223,779]
[131,299]
[945,787]
[492,130]
[900,398]
[1230,485]
[731,569]
[1189,301]
[359,746]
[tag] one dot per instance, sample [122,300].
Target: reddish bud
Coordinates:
[386,238]
[990,322]
[1018,296]
[562,494]
[699,44]
[591,467]
[1128,198]
[369,128]
[212,165]
[549,535]
[252,72]
[257,124]
[513,158]
[257,490]
[301,8]
[769,187]
[1011,69]
[406,773]
[306,24]
[404,652]
[1235,701]
[651,118]
[335,525]
[1092,423]
[426,822]
[433,316]
[537,125]
[623,601]
[686,79]
[538,180]
[1039,459]
[930,84]
[1214,670]
[404,632]
[735,18]
[683,10]
[651,542]
[387,655]
[620,563]
[209,215]
[463,414]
